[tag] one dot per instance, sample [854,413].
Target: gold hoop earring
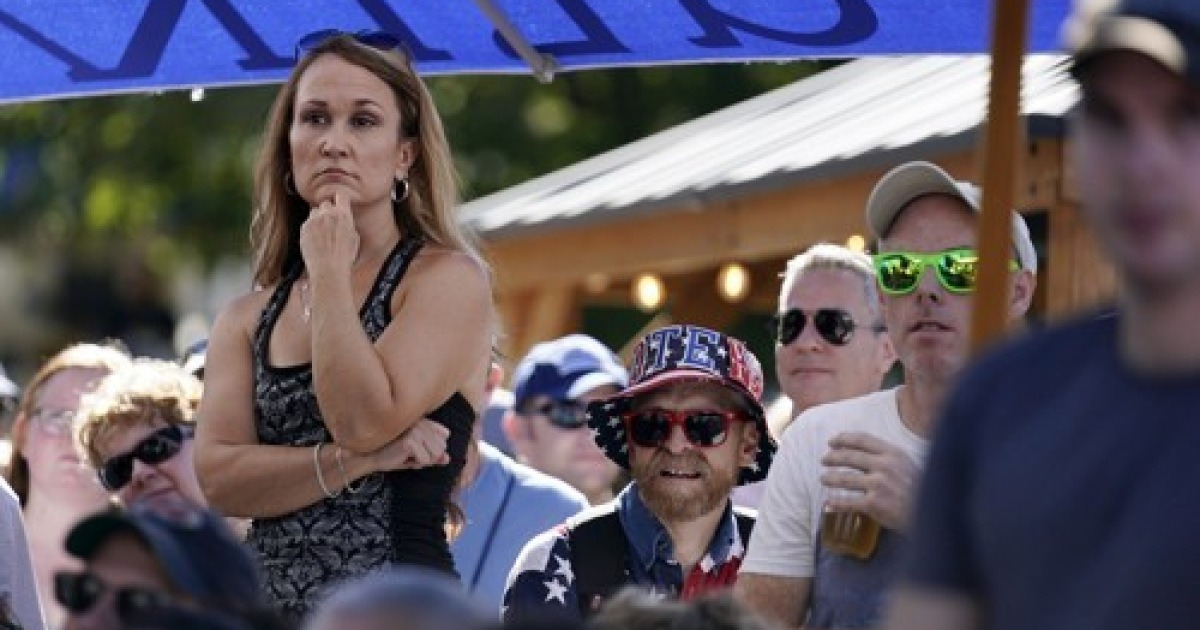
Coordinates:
[403,196]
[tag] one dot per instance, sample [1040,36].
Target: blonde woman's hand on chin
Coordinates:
[328,238]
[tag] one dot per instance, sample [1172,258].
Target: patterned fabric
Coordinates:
[542,584]
[682,352]
[394,517]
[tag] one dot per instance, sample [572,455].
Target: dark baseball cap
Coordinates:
[195,546]
[565,369]
[1167,31]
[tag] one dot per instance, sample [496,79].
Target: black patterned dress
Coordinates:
[395,517]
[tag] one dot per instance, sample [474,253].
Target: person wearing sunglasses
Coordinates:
[340,392]
[1059,486]
[55,488]
[830,341]
[547,425]
[166,564]
[135,429]
[689,428]
[835,510]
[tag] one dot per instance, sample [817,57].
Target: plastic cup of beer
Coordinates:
[850,533]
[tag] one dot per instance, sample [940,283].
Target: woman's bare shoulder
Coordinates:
[243,311]
[449,267]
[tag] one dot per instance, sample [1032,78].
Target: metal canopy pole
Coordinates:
[1000,160]
[543,66]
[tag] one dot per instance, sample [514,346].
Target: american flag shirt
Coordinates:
[542,586]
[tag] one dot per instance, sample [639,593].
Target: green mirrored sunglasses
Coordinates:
[957,270]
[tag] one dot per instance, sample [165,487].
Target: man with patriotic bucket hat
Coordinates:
[689,428]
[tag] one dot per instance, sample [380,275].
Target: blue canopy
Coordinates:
[67,48]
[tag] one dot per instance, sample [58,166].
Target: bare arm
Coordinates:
[914,608]
[240,476]
[781,600]
[437,344]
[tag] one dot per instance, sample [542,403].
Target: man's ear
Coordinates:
[749,446]
[885,355]
[19,429]
[519,434]
[1021,290]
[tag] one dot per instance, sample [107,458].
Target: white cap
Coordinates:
[901,185]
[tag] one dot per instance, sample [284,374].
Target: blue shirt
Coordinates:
[506,506]
[1059,491]
[542,584]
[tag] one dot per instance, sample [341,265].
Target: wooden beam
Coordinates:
[1079,276]
[547,313]
[769,225]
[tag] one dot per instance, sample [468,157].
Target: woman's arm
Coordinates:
[438,343]
[240,476]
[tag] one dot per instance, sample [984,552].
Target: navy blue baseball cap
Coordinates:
[1167,31]
[195,546]
[565,369]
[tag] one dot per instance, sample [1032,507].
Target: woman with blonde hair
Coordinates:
[339,397]
[54,488]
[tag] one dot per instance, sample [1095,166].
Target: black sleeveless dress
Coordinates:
[395,517]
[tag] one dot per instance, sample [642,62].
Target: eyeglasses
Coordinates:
[79,593]
[833,325]
[379,40]
[156,448]
[564,414]
[54,421]
[651,428]
[957,270]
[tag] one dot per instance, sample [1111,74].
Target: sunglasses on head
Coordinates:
[651,428]
[564,414]
[834,325]
[79,592]
[379,40]
[155,449]
[957,270]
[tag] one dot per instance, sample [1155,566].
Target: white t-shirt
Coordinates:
[790,513]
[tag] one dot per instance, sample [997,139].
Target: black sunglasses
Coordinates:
[156,448]
[651,428]
[79,592]
[379,40]
[833,324]
[564,414]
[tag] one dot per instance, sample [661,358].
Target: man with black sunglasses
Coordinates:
[689,427]
[1059,491]
[546,425]
[836,506]
[830,340]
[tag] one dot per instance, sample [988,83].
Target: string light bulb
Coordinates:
[856,243]
[649,292]
[733,282]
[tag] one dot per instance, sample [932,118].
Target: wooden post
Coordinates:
[1004,136]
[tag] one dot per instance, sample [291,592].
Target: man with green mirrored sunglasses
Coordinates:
[834,521]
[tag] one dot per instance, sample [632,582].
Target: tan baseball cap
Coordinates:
[905,183]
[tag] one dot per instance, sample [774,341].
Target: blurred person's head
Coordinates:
[830,340]
[690,426]
[633,607]
[400,598]
[926,224]
[149,562]
[135,431]
[401,156]
[44,459]
[1135,147]
[547,425]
